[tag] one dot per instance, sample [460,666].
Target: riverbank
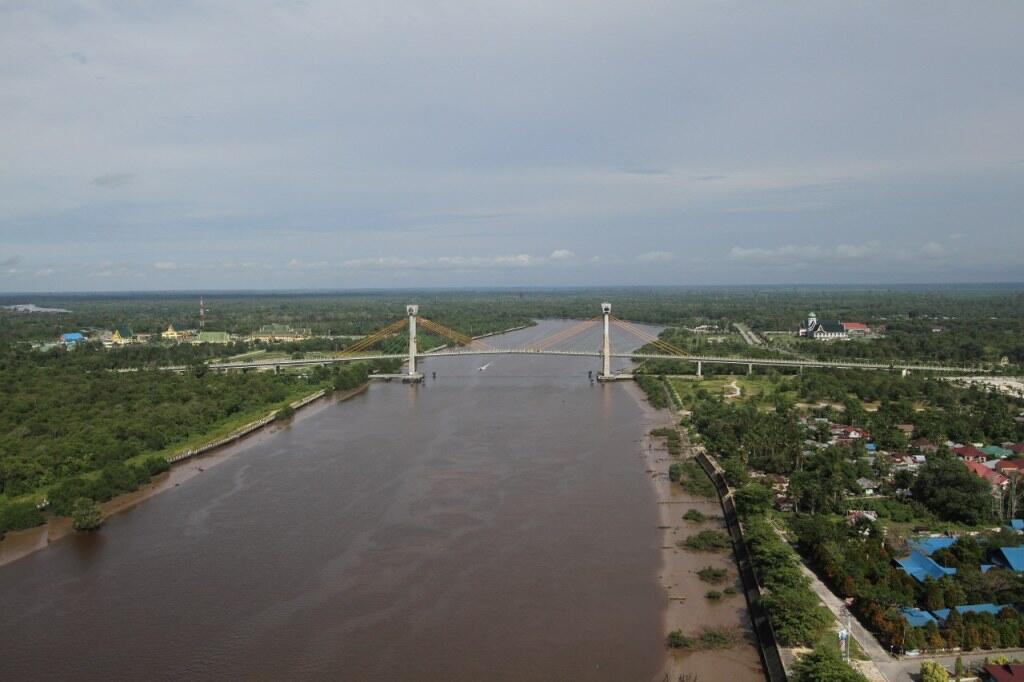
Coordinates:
[687,608]
[185,464]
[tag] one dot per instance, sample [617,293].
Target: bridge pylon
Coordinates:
[413,310]
[606,346]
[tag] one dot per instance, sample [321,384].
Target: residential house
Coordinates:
[868,486]
[1010,557]
[1010,466]
[921,567]
[969,453]
[996,479]
[996,452]
[907,429]
[924,445]
[1006,672]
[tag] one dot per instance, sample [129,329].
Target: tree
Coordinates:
[951,491]
[753,498]
[86,514]
[824,665]
[933,672]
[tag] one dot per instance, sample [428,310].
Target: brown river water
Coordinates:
[492,524]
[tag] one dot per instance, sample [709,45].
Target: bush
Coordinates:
[86,514]
[675,471]
[19,516]
[694,516]
[729,590]
[708,541]
[284,414]
[677,640]
[696,481]
[713,595]
[710,574]
[156,465]
[824,663]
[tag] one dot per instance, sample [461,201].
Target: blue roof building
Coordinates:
[920,567]
[929,546]
[916,617]
[994,609]
[1016,524]
[1010,557]
[72,337]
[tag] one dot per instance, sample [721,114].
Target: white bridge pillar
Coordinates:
[606,352]
[413,311]
[700,369]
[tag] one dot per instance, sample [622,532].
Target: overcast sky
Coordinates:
[160,145]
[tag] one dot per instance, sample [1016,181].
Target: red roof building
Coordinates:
[1010,465]
[1018,448]
[969,453]
[995,479]
[855,327]
[1010,672]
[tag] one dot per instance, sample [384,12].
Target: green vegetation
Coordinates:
[708,638]
[672,440]
[933,672]
[708,541]
[713,595]
[69,431]
[86,514]
[821,664]
[675,471]
[695,481]
[694,516]
[655,390]
[709,574]
[797,616]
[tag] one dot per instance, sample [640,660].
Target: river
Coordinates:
[492,524]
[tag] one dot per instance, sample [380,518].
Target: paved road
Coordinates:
[750,337]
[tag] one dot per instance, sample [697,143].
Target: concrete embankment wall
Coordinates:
[767,645]
[244,431]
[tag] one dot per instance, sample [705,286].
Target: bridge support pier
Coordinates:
[905,372]
[413,375]
[750,368]
[700,369]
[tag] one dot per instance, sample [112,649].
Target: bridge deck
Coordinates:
[707,359]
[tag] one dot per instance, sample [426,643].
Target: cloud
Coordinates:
[10,261]
[298,264]
[165,265]
[793,254]
[45,272]
[562,254]
[443,262]
[655,257]
[933,250]
[113,180]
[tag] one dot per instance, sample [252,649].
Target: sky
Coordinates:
[245,144]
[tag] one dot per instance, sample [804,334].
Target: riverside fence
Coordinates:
[767,645]
[244,431]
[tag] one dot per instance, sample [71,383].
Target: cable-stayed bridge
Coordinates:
[577,340]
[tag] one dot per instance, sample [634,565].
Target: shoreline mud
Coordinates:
[184,466]
[686,607]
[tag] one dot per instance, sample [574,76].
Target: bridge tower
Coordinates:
[413,311]
[606,349]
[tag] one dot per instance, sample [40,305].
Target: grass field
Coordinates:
[755,387]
